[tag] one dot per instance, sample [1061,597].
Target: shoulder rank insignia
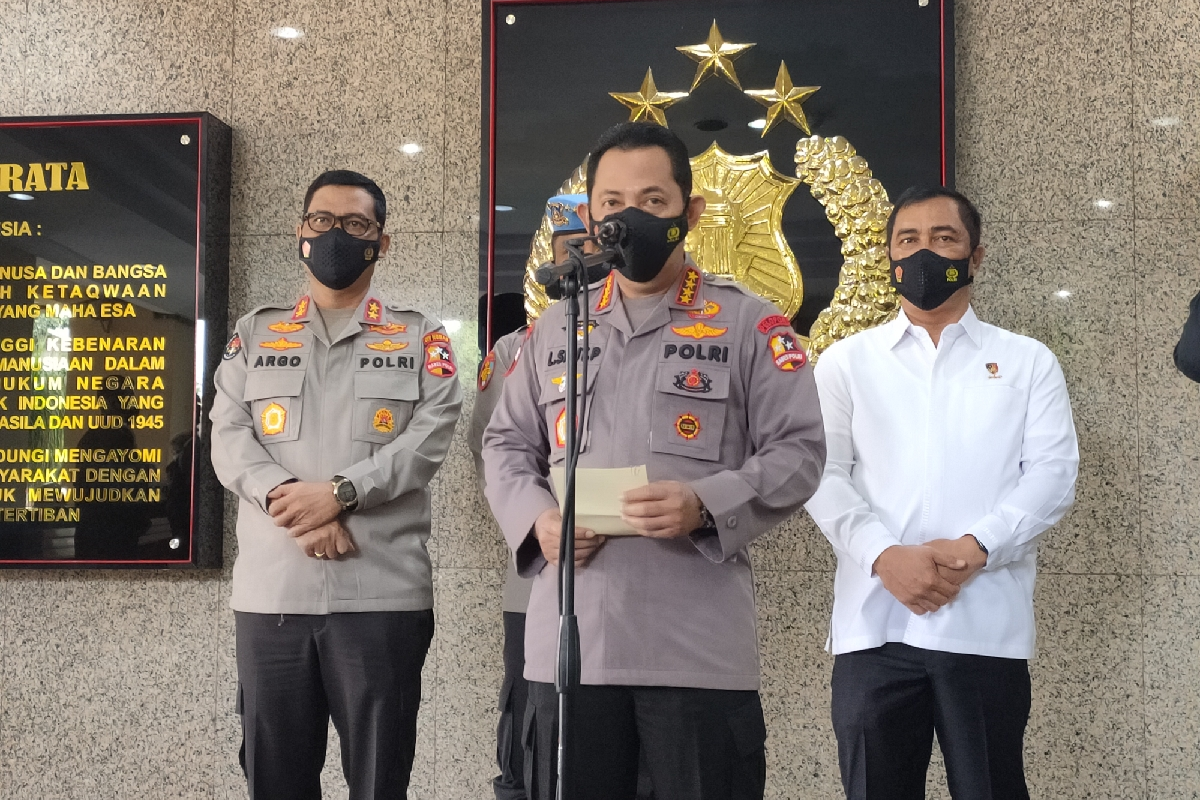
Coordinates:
[274,419]
[387,346]
[774,321]
[301,310]
[606,293]
[788,356]
[281,344]
[439,361]
[233,348]
[486,370]
[285,327]
[709,311]
[389,329]
[699,331]
[374,311]
[687,287]
[693,381]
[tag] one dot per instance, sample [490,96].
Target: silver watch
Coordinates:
[345,493]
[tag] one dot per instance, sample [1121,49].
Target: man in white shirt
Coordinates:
[951,450]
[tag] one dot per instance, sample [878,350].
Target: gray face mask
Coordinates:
[337,259]
[927,279]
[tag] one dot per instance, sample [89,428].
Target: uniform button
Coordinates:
[731,522]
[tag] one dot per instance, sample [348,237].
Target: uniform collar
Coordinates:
[894,331]
[687,293]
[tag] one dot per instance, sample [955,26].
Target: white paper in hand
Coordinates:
[598,496]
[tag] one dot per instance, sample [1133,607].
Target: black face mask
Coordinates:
[337,259]
[927,279]
[648,243]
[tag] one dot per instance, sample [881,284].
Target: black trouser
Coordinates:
[698,744]
[510,755]
[295,672]
[889,701]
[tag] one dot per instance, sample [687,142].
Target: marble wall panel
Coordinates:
[14,23]
[1028,269]
[1043,108]
[1168,404]
[1165,118]
[1086,736]
[1172,646]
[128,57]
[463,115]
[793,618]
[470,671]
[109,685]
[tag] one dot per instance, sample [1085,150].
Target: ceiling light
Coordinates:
[411,148]
[757,124]
[1164,122]
[21,196]
[504,208]
[452,325]
[511,19]
[287,32]
[1063,293]
[1104,204]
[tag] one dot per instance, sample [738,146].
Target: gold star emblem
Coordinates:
[649,102]
[784,101]
[715,57]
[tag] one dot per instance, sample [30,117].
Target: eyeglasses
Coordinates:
[353,224]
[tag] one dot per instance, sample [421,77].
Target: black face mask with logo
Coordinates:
[927,279]
[648,243]
[337,259]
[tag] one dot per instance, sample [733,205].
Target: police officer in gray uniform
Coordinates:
[706,385]
[332,414]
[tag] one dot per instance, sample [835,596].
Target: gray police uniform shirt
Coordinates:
[497,366]
[376,402]
[713,390]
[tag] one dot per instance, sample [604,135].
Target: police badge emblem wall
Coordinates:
[757,229]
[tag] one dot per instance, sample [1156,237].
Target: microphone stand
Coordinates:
[573,277]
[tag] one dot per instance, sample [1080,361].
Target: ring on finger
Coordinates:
[319,555]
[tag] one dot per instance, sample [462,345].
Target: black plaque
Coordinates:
[114,254]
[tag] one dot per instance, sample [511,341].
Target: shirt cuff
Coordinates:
[265,479]
[993,533]
[870,542]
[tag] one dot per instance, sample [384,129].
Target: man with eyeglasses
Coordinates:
[332,415]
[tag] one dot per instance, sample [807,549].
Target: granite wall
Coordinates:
[122,685]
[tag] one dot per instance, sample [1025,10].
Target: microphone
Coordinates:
[612,233]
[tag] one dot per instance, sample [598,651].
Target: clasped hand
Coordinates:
[309,512]
[928,576]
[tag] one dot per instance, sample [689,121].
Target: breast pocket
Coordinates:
[553,400]
[274,398]
[383,404]
[689,411]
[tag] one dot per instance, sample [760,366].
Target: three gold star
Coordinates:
[715,57]
[784,101]
[649,102]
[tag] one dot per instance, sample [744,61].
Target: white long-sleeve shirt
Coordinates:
[972,436]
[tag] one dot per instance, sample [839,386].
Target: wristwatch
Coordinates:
[345,493]
[706,519]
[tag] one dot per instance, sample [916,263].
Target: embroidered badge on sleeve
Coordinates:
[439,361]
[233,348]
[787,354]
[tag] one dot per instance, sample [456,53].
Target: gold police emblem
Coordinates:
[274,419]
[384,421]
[952,275]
